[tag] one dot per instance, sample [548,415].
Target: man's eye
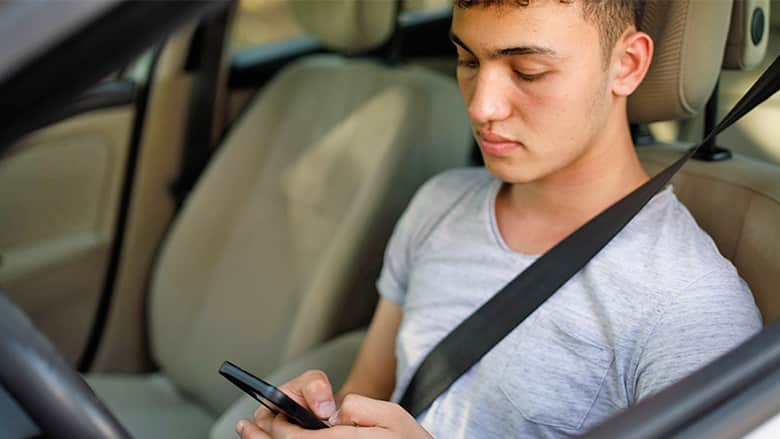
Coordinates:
[529,76]
[468,63]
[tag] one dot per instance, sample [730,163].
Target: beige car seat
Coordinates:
[278,246]
[736,201]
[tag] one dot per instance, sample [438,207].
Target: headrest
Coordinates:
[348,26]
[690,37]
[748,34]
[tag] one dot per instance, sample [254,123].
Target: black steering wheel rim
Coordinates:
[49,390]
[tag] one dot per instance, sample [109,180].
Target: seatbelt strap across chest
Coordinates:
[465,345]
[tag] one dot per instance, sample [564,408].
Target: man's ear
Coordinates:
[631,59]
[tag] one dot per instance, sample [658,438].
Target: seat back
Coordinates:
[736,201]
[290,218]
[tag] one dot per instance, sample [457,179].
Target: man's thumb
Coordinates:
[362,411]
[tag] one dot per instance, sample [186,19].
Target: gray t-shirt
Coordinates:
[653,306]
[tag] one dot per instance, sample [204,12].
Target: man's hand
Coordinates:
[311,389]
[372,417]
[359,417]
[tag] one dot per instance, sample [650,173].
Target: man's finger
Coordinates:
[378,417]
[367,412]
[249,430]
[283,429]
[312,389]
[319,396]
[263,417]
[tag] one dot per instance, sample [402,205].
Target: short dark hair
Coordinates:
[611,16]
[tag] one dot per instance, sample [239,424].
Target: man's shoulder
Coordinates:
[666,249]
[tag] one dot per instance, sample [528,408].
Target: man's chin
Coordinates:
[509,172]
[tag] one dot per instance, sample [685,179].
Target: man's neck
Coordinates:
[548,209]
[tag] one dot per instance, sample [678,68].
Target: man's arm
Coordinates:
[373,372]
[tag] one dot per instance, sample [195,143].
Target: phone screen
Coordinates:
[271,397]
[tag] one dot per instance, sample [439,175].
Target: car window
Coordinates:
[138,70]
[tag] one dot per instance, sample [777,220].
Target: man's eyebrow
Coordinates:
[523,50]
[456,40]
[509,51]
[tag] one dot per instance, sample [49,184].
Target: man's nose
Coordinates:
[488,101]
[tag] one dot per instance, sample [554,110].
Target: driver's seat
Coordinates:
[277,247]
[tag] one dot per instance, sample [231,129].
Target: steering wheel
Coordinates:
[49,390]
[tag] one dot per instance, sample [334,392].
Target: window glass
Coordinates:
[138,70]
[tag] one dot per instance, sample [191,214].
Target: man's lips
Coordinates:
[496,144]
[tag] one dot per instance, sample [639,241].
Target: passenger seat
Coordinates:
[278,246]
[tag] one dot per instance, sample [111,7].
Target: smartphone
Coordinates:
[271,397]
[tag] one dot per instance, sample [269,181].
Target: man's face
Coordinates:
[535,85]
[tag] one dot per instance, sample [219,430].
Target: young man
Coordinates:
[545,83]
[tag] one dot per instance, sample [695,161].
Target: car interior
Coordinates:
[315,144]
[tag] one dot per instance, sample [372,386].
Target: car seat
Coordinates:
[736,201]
[277,247]
[754,135]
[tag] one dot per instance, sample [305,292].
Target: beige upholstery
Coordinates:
[151,407]
[255,266]
[334,358]
[756,134]
[59,187]
[285,229]
[689,36]
[738,203]
[741,53]
[123,344]
[347,25]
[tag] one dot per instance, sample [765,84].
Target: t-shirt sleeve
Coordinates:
[394,277]
[408,234]
[711,317]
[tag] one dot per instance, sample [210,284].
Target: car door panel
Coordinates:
[59,195]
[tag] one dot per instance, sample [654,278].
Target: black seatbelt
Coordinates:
[488,325]
[204,60]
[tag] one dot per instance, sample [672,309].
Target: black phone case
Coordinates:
[271,397]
